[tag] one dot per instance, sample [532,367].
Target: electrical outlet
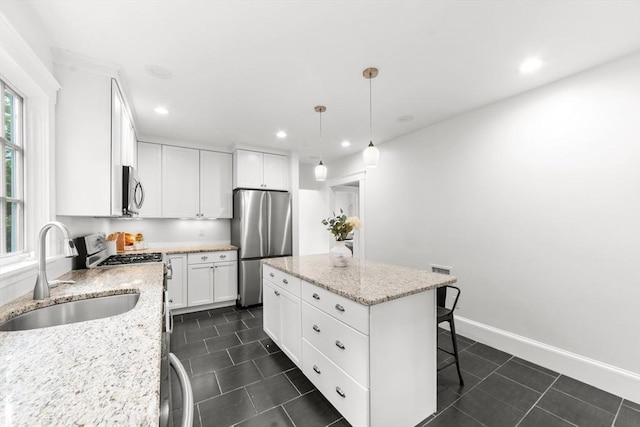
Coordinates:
[201,233]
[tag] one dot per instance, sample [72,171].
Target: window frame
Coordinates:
[18,197]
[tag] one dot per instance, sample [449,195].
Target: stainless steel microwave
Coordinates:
[132,192]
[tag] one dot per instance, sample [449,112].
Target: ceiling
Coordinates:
[243,70]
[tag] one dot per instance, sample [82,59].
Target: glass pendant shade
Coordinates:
[371,155]
[321,172]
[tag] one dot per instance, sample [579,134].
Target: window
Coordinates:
[11,179]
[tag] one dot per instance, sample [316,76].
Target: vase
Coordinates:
[340,254]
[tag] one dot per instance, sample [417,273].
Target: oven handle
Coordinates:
[187,393]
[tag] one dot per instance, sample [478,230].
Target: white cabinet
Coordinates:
[200,284]
[150,173]
[366,360]
[180,182]
[282,312]
[94,134]
[196,183]
[262,171]
[177,285]
[212,279]
[216,194]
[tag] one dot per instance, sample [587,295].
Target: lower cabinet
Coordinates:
[203,280]
[282,317]
[177,284]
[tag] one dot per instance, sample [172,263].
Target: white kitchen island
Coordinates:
[364,334]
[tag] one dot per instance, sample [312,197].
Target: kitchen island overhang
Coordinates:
[365,335]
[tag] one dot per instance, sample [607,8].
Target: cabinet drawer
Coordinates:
[346,347]
[201,257]
[346,310]
[282,279]
[349,397]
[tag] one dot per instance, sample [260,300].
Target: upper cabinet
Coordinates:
[95,137]
[194,183]
[262,171]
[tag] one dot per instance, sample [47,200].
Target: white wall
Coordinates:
[157,232]
[314,237]
[534,202]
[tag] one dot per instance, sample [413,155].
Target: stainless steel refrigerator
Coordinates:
[261,228]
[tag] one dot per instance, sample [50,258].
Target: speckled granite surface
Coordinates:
[363,281]
[186,249]
[99,372]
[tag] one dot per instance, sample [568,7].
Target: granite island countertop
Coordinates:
[100,372]
[366,282]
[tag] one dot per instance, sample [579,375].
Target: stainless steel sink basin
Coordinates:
[72,312]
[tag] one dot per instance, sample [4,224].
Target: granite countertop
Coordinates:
[366,282]
[170,250]
[99,372]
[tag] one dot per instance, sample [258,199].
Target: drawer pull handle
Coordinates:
[339,307]
[271,275]
[340,392]
[204,258]
[285,281]
[316,296]
[223,256]
[315,328]
[340,345]
[277,293]
[316,369]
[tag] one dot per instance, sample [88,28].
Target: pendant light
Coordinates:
[371,154]
[321,169]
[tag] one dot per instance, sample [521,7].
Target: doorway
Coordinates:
[347,193]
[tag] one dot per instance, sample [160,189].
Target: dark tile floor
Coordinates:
[241,378]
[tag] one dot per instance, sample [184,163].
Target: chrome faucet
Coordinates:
[41,291]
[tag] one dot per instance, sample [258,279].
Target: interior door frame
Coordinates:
[360,177]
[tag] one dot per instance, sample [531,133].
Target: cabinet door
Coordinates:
[276,172]
[180,182]
[225,281]
[248,169]
[290,333]
[150,173]
[200,284]
[177,285]
[216,193]
[271,310]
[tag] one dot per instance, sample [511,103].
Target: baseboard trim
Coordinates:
[610,378]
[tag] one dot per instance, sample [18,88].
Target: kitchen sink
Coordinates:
[72,312]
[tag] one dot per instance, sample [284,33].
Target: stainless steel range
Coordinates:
[92,253]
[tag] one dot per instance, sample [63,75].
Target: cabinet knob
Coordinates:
[316,369]
[340,345]
[316,296]
[277,293]
[285,281]
[339,307]
[271,275]
[315,328]
[170,301]
[340,392]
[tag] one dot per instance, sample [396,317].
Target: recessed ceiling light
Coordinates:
[530,65]
[345,143]
[281,134]
[158,72]
[161,110]
[405,118]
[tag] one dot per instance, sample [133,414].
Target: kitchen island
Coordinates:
[98,372]
[364,334]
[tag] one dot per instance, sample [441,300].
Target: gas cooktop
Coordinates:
[124,259]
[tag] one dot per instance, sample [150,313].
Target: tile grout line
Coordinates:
[613,423]
[519,383]
[556,416]
[535,369]
[537,401]
[585,402]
